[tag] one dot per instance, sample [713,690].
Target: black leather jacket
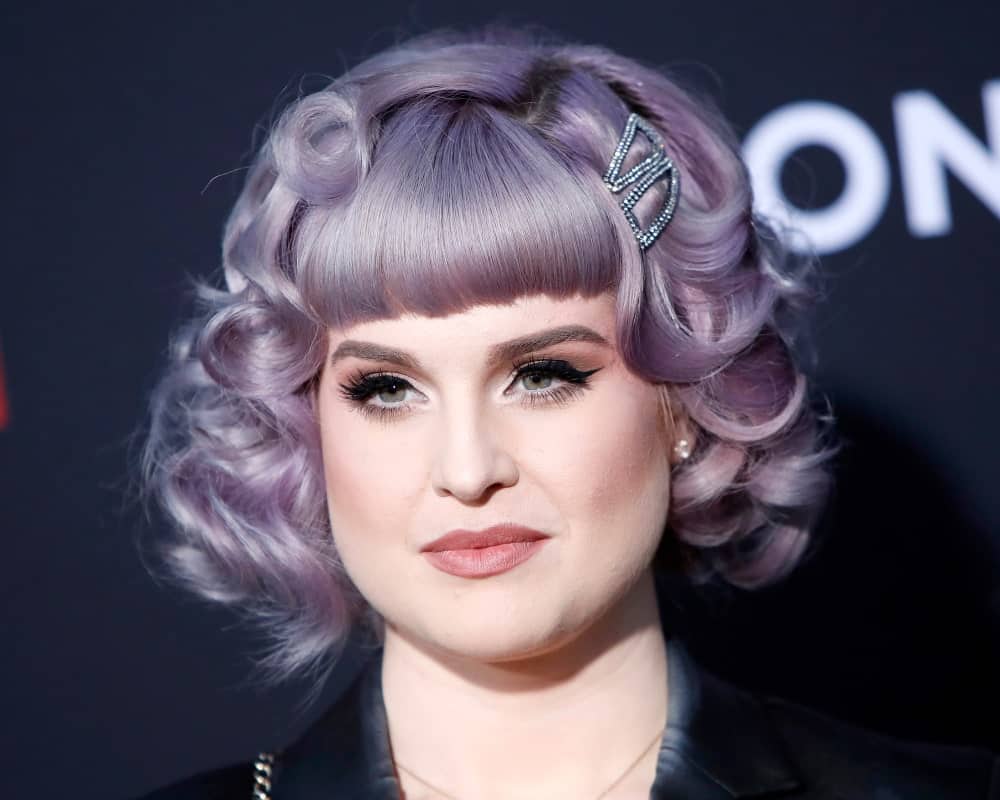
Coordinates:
[721,742]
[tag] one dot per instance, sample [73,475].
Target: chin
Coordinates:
[495,638]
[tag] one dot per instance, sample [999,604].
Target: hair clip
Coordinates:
[654,167]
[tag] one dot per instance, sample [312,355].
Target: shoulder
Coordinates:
[233,782]
[849,760]
[320,756]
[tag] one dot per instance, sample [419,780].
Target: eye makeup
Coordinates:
[363,386]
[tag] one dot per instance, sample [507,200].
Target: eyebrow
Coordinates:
[498,353]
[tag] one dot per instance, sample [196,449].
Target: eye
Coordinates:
[537,379]
[389,388]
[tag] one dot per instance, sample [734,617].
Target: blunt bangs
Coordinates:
[463,205]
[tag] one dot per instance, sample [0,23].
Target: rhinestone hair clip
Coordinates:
[654,167]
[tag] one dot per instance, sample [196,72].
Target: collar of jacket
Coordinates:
[718,744]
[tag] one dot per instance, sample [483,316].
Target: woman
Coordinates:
[502,342]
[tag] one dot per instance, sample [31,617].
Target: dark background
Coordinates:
[126,131]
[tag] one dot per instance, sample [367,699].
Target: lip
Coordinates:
[507,533]
[480,554]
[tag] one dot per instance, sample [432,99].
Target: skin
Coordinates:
[549,680]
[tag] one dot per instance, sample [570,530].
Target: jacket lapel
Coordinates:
[719,742]
[346,752]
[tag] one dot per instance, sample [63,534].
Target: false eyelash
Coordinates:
[363,385]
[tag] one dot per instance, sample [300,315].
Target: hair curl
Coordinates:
[456,169]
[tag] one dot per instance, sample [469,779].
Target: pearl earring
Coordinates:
[682,448]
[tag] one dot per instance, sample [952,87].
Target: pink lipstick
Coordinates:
[480,554]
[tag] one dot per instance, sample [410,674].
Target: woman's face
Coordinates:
[432,424]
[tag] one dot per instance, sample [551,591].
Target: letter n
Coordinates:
[931,139]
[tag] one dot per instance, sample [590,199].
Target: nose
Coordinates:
[470,459]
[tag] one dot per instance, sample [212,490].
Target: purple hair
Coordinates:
[456,169]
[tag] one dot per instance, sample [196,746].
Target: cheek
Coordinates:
[365,472]
[615,466]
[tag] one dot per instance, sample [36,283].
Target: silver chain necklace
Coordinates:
[628,769]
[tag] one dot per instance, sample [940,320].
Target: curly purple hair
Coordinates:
[450,170]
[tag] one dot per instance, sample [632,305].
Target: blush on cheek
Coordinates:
[622,468]
[350,470]
[353,487]
[371,475]
[627,438]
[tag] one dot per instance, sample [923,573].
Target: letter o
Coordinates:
[866,190]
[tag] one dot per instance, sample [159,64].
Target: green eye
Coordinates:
[361,388]
[546,379]
[397,388]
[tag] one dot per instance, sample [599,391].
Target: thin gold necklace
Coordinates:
[628,769]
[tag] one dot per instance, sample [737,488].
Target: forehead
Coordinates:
[485,324]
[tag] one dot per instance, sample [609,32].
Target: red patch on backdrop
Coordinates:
[4,410]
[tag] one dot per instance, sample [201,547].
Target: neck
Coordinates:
[571,720]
